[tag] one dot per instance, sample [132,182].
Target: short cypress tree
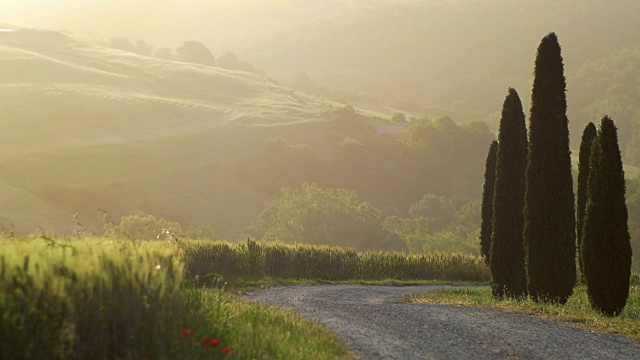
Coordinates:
[487,202]
[588,136]
[508,276]
[549,211]
[606,247]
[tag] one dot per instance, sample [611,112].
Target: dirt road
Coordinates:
[378,327]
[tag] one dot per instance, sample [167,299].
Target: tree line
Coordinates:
[531,224]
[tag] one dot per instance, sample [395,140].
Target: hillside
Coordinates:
[83,127]
[57,91]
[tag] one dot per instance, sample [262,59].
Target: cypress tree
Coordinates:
[606,247]
[588,137]
[549,211]
[508,276]
[487,202]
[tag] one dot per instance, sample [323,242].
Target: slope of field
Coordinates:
[58,91]
[84,127]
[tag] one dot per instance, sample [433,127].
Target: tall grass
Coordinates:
[257,259]
[89,299]
[102,299]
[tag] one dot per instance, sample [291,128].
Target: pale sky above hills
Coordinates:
[168,22]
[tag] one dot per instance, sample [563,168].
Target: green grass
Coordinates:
[276,260]
[577,312]
[104,299]
[241,285]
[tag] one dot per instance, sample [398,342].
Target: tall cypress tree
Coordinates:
[606,247]
[549,211]
[487,202]
[588,136]
[508,276]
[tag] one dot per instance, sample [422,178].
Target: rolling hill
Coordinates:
[84,127]
[59,91]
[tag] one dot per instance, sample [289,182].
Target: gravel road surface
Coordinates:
[378,327]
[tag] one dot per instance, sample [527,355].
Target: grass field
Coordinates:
[576,312]
[255,259]
[108,298]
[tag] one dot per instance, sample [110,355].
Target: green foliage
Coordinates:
[259,259]
[434,225]
[507,243]
[137,227]
[588,137]
[347,121]
[487,202]
[314,215]
[200,232]
[438,210]
[281,165]
[549,230]
[90,299]
[105,299]
[633,207]
[195,52]
[606,249]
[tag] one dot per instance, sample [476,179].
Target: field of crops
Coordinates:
[107,299]
[325,263]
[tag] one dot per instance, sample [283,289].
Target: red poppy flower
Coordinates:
[214,343]
[188,333]
[226,350]
[205,341]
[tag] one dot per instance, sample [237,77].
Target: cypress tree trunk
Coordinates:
[588,136]
[549,212]
[487,202]
[508,274]
[606,247]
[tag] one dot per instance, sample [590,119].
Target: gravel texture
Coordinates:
[377,326]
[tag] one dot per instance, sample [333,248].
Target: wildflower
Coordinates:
[205,341]
[214,343]
[226,350]
[187,333]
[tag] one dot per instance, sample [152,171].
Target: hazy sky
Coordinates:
[222,24]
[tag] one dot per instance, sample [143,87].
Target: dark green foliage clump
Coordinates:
[486,227]
[549,230]
[507,250]
[606,248]
[588,136]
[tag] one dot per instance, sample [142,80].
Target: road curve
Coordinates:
[376,326]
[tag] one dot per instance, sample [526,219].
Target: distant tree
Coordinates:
[348,122]
[122,43]
[486,227]
[195,52]
[606,248]
[138,227]
[439,211]
[549,212]
[323,216]
[435,225]
[508,275]
[201,232]
[588,137]
[399,118]
[164,53]
[143,48]
[229,61]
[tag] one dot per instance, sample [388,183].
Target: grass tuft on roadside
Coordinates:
[577,312]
